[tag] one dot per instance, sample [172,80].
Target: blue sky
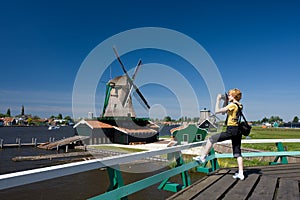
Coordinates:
[254,44]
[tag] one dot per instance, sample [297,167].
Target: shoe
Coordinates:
[200,159]
[238,176]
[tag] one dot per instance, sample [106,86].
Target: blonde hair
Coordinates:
[236,93]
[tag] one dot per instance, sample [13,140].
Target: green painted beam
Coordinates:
[283,159]
[142,184]
[185,177]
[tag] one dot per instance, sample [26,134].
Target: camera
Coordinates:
[224,97]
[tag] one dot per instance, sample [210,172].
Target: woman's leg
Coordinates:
[236,147]
[209,144]
[240,164]
[208,147]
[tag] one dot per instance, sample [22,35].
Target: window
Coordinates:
[198,137]
[185,138]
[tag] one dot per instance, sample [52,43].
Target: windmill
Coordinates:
[118,122]
[118,100]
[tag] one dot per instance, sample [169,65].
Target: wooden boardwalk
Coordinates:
[62,142]
[263,183]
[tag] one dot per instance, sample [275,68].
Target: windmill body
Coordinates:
[119,89]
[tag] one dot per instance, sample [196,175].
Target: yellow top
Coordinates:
[232,114]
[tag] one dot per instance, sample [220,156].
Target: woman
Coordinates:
[234,96]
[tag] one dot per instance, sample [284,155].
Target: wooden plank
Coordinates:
[275,169]
[217,190]
[283,173]
[265,188]
[288,189]
[51,156]
[198,186]
[243,188]
[261,183]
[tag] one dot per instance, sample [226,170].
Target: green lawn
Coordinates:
[274,133]
[265,133]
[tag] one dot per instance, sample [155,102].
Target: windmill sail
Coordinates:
[118,100]
[143,100]
[130,85]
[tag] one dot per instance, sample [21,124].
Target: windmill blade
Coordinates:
[138,99]
[136,69]
[130,81]
[141,96]
[214,115]
[136,88]
[133,77]
[122,65]
[128,78]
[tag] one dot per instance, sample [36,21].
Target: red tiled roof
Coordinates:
[97,124]
[178,128]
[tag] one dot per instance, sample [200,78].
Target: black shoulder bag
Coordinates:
[244,127]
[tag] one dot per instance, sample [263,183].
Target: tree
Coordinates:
[22,111]
[68,118]
[296,119]
[196,119]
[275,119]
[59,116]
[8,112]
[167,119]
[264,120]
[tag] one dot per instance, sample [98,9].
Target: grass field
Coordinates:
[265,133]
[274,133]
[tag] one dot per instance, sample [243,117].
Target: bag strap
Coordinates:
[241,113]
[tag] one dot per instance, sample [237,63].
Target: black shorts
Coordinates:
[233,134]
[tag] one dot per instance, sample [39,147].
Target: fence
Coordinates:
[117,190]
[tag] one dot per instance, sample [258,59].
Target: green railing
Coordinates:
[117,189]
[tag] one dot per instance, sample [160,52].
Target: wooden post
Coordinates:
[1,143]
[67,146]
[35,142]
[57,148]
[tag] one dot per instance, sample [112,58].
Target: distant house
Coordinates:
[188,133]
[1,122]
[207,121]
[208,125]
[103,133]
[9,121]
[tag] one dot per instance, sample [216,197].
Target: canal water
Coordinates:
[78,186]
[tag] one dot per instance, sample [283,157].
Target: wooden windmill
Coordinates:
[118,99]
